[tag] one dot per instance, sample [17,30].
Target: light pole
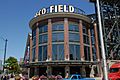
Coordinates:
[101,39]
[102,42]
[4,52]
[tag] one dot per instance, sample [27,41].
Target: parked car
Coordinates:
[78,77]
[114,73]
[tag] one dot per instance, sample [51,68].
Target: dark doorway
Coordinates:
[58,71]
[42,71]
[88,69]
[75,70]
[31,72]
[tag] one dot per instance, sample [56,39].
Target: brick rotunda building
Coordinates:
[63,40]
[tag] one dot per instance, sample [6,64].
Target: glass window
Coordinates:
[74,37]
[114,70]
[33,54]
[40,30]
[43,38]
[87,53]
[54,52]
[93,40]
[40,54]
[43,29]
[57,52]
[85,30]
[54,37]
[77,48]
[44,53]
[61,52]
[73,27]
[40,39]
[86,39]
[72,57]
[34,32]
[57,37]
[57,27]
[61,27]
[74,52]
[79,77]
[74,77]
[94,53]
[34,41]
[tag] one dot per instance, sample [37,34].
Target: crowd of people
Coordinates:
[12,77]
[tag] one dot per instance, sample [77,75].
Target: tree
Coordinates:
[12,65]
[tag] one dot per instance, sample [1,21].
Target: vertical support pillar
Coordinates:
[91,55]
[82,71]
[30,48]
[28,72]
[49,70]
[99,70]
[50,40]
[37,43]
[36,71]
[96,42]
[81,41]
[66,39]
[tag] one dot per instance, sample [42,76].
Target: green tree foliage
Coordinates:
[12,65]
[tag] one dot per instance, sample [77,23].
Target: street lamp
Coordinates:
[101,40]
[4,52]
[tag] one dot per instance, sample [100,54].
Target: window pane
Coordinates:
[59,36]
[73,27]
[44,38]
[54,52]
[45,28]
[40,54]
[77,52]
[58,52]
[74,37]
[34,41]
[54,27]
[61,52]
[40,39]
[54,37]
[40,30]
[87,53]
[71,52]
[61,27]
[33,54]
[34,32]
[74,77]
[44,53]
[57,27]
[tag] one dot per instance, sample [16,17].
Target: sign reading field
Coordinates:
[55,9]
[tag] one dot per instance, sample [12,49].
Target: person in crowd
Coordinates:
[67,75]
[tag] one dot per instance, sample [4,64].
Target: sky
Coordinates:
[14,21]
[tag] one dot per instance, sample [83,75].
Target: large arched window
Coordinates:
[74,41]
[58,41]
[43,39]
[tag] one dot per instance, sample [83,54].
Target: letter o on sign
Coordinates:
[44,11]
